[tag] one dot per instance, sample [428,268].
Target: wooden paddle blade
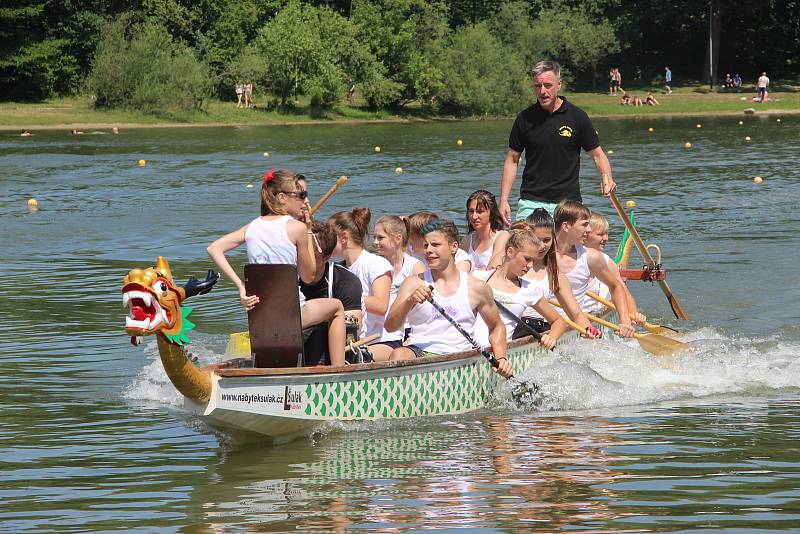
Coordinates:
[659,345]
[677,309]
[660,329]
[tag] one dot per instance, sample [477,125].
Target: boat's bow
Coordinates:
[154,307]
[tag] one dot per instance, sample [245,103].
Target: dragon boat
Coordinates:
[292,400]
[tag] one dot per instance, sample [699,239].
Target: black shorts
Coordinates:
[393,343]
[419,352]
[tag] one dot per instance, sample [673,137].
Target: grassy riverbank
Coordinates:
[77,112]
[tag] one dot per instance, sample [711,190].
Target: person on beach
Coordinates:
[667,80]
[579,264]
[239,95]
[391,242]
[461,294]
[277,237]
[351,91]
[552,133]
[612,82]
[762,84]
[650,100]
[373,271]
[516,293]
[484,225]
[544,273]
[331,280]
[248,95]
[596,238]
[416,242]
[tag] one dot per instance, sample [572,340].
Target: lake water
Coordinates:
[94,437]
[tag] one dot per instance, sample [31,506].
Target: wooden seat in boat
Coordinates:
[276,337]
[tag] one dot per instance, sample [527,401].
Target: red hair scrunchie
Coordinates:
[269,175]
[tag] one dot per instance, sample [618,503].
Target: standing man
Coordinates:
[667,80]
[763,83]
[551,133]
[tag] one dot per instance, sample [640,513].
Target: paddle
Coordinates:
[677,309]
[522,392]
[654,328]
[339,183]
[652,343]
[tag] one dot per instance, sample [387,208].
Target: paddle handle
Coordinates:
[340,182]
[486,354]
[677,309]
[364,341]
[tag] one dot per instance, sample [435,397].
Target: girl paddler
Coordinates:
[462,295]
[484,227]
[277,237]
[516,293]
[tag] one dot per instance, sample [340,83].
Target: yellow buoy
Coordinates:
[687,145]
[758,180]
[699,125]
[142,163]
[266,154]
[610,151]
[630,204]
[747,138]
[377,149]
[460,142]
[650,130]
[33,203]
[398,170]
[741,122]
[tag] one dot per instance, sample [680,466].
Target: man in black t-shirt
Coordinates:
[330,281]
[552,133]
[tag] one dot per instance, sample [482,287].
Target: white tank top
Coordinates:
[579,277]
[543,286]
[529,293]
[267,242]
[480,260]
[433,333]
[598,288]
[409,263]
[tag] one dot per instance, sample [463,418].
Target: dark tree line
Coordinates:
[401,50]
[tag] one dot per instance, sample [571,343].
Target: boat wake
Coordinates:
[608,373]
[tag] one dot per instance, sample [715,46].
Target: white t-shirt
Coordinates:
[367,268]
[529,293]
[598,288]
[763,81]
[409,264]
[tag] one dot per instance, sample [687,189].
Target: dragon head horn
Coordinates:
[163,268]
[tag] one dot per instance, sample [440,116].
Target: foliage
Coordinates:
[480,76]
[142,67]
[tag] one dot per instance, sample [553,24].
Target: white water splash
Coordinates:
[588,375]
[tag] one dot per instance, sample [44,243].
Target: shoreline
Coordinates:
[94,125]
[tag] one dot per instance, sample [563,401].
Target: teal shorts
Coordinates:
[526,207]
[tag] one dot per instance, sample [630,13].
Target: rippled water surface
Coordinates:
[94,437]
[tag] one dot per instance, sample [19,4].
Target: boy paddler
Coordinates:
[579,264]
[463,296]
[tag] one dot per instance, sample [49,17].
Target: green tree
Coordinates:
[481,76]
[143,67]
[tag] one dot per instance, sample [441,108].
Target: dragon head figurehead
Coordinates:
[154,302]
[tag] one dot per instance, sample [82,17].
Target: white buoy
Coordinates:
[747,138]
[758,180]
[687,145]
[377,149]
[460,142]
[266,154]
[398,170]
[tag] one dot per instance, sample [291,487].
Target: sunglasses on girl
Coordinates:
[302,195]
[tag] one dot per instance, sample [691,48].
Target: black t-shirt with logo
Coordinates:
[552,144]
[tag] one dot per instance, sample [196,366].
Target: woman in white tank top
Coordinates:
[277,237]
[516,293]
[374,272]
[391,240]
[484,226]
